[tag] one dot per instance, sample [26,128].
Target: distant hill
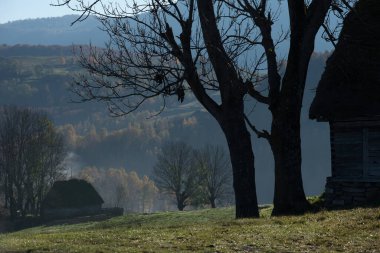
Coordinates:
[59,31]
[52,31]
[40,76]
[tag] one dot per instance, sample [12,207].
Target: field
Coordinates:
[356,230]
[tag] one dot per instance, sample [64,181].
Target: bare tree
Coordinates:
[175,172]
[215,172]
[220,51]
[31,152]
[284,94]
[156,50]
[120,193]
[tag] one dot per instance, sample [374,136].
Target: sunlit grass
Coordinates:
[356,230]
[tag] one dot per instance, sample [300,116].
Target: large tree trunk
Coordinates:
[285,141]
[242,160]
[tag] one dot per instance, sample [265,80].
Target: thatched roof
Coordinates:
[350,86]
[73,193]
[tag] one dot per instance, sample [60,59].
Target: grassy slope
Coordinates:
[356,230]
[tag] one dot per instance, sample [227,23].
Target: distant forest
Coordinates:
[52,31]
[40,77]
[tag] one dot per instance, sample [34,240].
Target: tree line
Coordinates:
[120,188]
[182,175]
[32,153]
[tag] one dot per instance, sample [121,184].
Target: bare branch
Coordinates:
[330,35]
[229,82]
[260,134]
[264,23]
[256,95]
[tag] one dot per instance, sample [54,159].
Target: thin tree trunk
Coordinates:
[20,200]
[242,160]
[180,205]
[12,203]
[180,201]
[6,194]
[212,202]
[285,141]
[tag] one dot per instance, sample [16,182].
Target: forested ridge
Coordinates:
[51,31]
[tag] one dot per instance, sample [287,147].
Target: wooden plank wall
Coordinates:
[374,152]
[347,152]
[355,150]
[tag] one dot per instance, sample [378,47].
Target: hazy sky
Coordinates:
[11,10]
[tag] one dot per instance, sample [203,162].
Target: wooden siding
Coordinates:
[374,152]
[347,152]
[64,213]
[355,149]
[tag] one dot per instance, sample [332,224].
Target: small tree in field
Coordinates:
[31,154]
[175,172]
[215,171]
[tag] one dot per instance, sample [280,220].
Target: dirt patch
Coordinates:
[6,225]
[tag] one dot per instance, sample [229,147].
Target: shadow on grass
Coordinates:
[318,204]
[8,226]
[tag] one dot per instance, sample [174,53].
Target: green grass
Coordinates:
[356,230]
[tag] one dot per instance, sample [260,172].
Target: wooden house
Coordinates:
[348,97]
[71,198]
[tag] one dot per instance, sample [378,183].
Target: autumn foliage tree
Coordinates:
[120,188]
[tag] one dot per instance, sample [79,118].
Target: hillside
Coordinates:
[52,31]
[60,31]
[356,230]
[40,77]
